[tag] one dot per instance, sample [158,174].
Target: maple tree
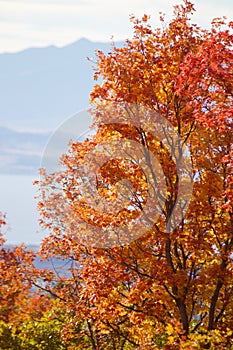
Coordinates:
[14,287]
[29,317]
[169,289]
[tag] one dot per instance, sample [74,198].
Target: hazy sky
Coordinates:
[33,23]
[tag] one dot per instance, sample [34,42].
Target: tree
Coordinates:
[15,287]
[29,317]
[169,289]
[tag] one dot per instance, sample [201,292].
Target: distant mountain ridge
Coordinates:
[39,89]
[20,152]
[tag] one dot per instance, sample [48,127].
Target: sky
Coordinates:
[40,23]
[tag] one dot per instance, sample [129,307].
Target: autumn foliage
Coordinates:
[167,289]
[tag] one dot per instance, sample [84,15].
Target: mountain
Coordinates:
[20,152]
[40,87]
